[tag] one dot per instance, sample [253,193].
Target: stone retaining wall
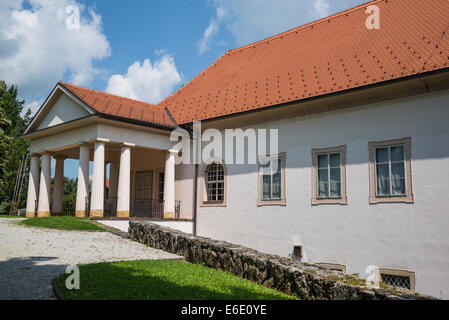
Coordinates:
[306,281]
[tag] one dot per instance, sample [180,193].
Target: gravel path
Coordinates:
[31,257]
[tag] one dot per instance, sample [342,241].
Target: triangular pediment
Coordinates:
[59,108]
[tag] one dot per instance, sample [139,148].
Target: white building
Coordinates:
[363,122]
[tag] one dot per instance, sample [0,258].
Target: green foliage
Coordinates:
[70,186]
[69,192]
[162,280]
[64,223]
[12,146]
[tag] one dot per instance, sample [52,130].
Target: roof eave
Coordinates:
[332,94]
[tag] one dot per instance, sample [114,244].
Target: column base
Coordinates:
[80,213]
[123,214]
[169,215]
[42,214]
[30,215]
[96,213]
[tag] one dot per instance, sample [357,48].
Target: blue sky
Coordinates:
[142,49]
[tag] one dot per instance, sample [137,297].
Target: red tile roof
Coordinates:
[120,107]
[327,56]
[330,55]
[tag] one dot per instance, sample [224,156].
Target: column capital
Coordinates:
[59,157]
[35,155]
[127,145]
[101,140]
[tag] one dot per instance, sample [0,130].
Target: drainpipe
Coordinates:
[195,200]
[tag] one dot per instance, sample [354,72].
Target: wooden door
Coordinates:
[143,194]
[144,185]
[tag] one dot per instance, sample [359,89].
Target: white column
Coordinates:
[169,186]
[33,182]
[83,182]
[43,209]
[97,196]
[124,183]
[58,186]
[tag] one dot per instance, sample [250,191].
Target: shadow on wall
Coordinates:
[28,278]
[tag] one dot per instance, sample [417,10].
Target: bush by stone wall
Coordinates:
[306,281]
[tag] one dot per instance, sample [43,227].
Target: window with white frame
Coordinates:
[214,180]
[329,175]
[390,171]
[272,179]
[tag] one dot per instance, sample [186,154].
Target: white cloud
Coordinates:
[37,49]
[252,20]
[146,82]
[33,106]
[211,30]
[322,7]
[160,52]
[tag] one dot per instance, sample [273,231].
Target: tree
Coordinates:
[12,146]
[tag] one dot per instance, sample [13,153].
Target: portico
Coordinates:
[136,160]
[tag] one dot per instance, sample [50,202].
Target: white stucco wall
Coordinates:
[184,177]
[123,225]
[184,226]
[138,137]
[64,109]
[405,236]
[64,139]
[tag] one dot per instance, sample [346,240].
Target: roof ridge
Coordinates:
[304,26]
[109,94]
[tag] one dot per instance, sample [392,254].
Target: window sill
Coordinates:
[403,199]
[261,203]
[213,204]
[341,201]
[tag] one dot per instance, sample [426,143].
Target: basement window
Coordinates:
[398,278]
[332,266]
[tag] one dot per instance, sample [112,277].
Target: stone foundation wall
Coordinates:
[305,281]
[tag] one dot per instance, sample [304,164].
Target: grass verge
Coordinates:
[63,223]
[161,280]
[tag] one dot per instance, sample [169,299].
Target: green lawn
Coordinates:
[64,223]
[161,280]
